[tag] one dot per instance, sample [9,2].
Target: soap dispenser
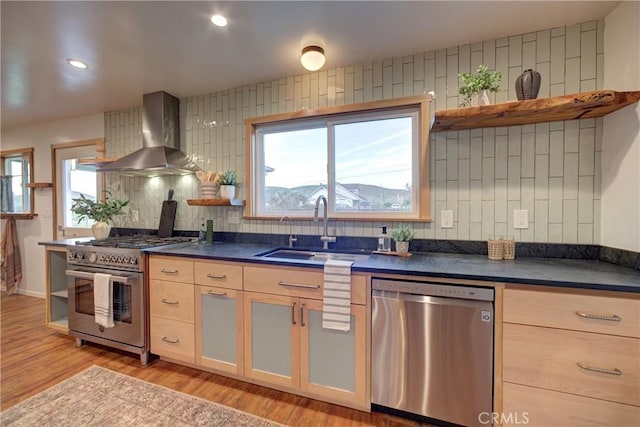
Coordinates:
[384,241]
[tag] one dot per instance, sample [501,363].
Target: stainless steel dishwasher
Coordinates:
[432,350]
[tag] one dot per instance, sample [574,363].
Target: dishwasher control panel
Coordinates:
[433,289]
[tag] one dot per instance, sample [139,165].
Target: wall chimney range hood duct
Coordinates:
[160,153]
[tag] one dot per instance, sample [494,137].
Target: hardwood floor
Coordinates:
[34,357]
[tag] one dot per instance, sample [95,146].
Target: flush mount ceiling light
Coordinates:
[77,63]
[312,58]
[219,20]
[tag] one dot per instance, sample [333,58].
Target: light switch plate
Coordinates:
[446,219]
[46,212]
[233,217]
[520,218]
[134,215]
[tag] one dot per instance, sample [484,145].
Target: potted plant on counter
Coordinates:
[475,88]
[402,235]
[228,181]
[101,212]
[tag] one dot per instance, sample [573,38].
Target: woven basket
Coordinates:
[509,249]
[495,249]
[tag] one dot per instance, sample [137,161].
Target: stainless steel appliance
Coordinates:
[121,257]
[432,350]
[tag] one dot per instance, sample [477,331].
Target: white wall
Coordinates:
[620,226]
[39,229]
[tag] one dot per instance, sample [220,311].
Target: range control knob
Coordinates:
[93,257]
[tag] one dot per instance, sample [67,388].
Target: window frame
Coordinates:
[334,115]
[26,154]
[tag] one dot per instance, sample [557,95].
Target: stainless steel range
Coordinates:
[122,258]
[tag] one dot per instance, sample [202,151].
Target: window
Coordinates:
[15,176]
[369,163]
[75,176]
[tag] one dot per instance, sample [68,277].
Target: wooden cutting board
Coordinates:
[167,216]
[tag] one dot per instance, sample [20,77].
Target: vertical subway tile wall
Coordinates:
[550,169]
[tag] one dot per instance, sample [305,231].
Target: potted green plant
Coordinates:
[228,181]
[475,88]
[101,212]
[402,235]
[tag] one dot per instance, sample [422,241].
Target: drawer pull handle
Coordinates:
[165,339]
[298,285]
[216,276]
[614,318]
[217,294]
[614,371]
[164,270]
[293,313]
[164,301]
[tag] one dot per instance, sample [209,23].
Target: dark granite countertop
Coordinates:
[587,274]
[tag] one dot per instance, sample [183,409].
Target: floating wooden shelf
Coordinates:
[5,215]
[39,185]
[215,202]
[97,162]
[585,105]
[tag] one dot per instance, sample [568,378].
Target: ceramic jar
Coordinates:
[528,85]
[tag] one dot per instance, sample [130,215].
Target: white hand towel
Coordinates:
[103,299]
[336,310]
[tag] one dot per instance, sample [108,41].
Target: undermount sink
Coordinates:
[313,256]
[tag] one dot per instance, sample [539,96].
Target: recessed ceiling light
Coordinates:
[78,64]
[219,20]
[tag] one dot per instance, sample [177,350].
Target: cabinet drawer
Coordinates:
[298,283]
[547,358]
[218,274]
[620,315]
[280,281]
[546,408]
[171,300]
[173,339]
[170,268]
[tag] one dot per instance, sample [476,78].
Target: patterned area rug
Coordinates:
[100,397]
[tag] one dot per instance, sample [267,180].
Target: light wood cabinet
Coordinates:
[286,345]
[571,357]
[56,302]
[219,328]
[261,323]
[171,308]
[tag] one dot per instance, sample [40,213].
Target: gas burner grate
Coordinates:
[136,242]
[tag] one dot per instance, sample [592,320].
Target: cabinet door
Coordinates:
[333,363]
[57,295]
[219,329]
[271,339]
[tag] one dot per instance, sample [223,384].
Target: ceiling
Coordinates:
[139,47]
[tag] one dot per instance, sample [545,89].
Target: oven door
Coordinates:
[128,305]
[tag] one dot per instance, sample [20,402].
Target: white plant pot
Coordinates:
[402,247]
[227,191]
[100,230]
[480,98]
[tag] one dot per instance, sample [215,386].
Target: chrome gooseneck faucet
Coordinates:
[292,238]
[325,238]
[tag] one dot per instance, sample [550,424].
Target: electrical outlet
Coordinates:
[134,215]
[446,219]
[234,217]
[520,218]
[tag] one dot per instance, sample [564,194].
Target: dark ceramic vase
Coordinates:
[528,85]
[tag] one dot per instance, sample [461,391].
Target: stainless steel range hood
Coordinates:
[160,153]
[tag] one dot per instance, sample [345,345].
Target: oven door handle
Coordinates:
[85,275]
